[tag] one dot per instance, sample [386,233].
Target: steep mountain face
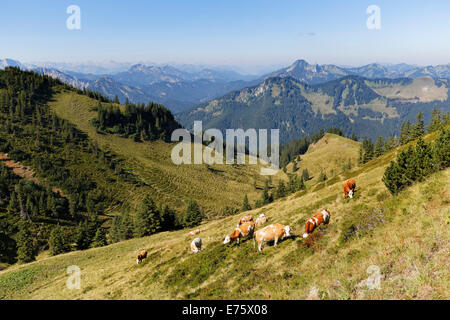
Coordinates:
[308,73]
[357,105]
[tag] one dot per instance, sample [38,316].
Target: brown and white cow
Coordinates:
[261,220]
[273,232]
[349,188]
[141,256]
[193,233]
[241,231]
[245,220]
[196,245]
[320,218]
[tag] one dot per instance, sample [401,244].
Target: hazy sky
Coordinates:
[239,32]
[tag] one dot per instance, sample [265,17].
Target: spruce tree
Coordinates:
[265,198]
[441,150]
[114,234]
[99,238]
[436,121]
[393,178]
[322,176]
[419,128]
[281,189]
[245,205]
[423,159]
[305,175]
[168,217]
[25,248]
[126,226]
[82,239]
[148,219]
[58,241]
[379,147]
[192,216]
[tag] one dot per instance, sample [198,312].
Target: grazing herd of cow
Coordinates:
[274,232]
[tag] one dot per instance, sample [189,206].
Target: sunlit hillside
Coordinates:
[214,187]
[404,239]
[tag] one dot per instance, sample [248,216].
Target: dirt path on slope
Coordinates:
[23,171]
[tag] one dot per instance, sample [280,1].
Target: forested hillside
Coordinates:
[75,182]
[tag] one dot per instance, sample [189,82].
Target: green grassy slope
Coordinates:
[405,236]
[329,155]
[213,188]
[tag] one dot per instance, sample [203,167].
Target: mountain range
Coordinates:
[299,99]
[366,107]
[180,88]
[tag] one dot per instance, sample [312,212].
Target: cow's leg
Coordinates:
[260,245]
[275,242]
[137,261]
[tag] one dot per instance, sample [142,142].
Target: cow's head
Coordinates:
[350,194]
[227,239]
[287,231]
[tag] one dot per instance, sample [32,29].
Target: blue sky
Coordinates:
[227,32]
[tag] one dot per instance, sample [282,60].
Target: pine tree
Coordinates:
[114,234]
[322,176]
[419,129]
[436,120]
[406,161]
[368,150]
[99,238]
[192,216]
[58,241]
[379,147]
[148,219]
[25,248]
[245,205]
[391,143]
[126,226]
[423,159]
[281,190]
[168,217]
[82,238]
[265,198]
[405,133]
[393,178]
[361,155]
[305,175]
[441,150]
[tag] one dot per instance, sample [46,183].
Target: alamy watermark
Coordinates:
[73,282]
[374,20]
[236,142]
[73,22]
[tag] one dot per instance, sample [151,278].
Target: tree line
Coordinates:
[408,132]
[138,122]
[417,162]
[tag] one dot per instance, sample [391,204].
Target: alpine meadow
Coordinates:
[224,151]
